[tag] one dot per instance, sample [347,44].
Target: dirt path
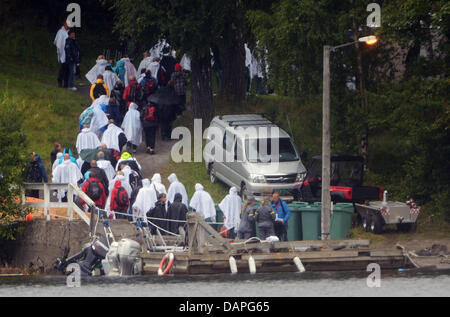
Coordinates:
[150,164]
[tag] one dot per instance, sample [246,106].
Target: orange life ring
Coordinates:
[163,268]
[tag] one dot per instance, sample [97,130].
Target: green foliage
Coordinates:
[13,160]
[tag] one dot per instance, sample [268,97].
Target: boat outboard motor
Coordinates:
[111,264]
[129,261]
[88,259]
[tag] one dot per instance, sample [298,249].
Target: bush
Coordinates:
[13,160]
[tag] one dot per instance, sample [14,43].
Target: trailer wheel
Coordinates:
[376,225]
[366,222]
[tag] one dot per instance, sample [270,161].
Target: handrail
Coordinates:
[47,204]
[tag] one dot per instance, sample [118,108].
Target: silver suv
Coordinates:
[258,156]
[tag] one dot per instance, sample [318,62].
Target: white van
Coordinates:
[249,163]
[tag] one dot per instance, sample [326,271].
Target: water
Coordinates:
[282,285]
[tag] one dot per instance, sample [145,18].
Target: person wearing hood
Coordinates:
[158,185]
[98,69]
[56,161]
[106,166]
[177,211]
[110,78]
[114,137]
[36,173]
[160,212]
[133,92]
[176,188]
[145,201]
[203,203]
[99,88]
[117,94]
[87,140]
[119,201]
[98,119]
[168,63]
[66,173]
[231,207]
[120,176]
[60,42]
[247,226]
[145,63]
[132,126]
[72,158]
[127,159]
[154,68]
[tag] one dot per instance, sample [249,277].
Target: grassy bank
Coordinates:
[51,112]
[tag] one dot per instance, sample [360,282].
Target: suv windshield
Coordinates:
[257,151]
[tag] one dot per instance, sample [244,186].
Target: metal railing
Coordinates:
[47,204]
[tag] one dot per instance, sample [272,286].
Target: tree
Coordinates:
[191,27]
[13,160]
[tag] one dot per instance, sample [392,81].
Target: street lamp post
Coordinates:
[326,135]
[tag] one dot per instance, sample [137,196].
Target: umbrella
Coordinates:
[165,96]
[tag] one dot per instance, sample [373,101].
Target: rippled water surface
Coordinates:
[283,285]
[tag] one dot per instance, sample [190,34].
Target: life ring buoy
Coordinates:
[163,268]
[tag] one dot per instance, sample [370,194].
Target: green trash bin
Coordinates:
[311,221]
[295,232]
[341,221]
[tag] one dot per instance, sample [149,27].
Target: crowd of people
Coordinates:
[114,182]
[111,129]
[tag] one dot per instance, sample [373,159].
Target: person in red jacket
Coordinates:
[120,200]
[93,187]
[133,93]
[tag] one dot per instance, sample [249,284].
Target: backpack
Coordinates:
[149,113]
[94,191]
[99,90]
[122,199]
[149,86]
[136,93]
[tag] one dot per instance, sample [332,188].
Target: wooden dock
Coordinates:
[208,253]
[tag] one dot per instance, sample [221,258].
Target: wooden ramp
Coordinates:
[209,253]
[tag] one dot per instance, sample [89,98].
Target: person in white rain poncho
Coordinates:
[111,137]
[145,64]
[145,201]
[231,207]
[176,188]
[203,203]
[130,70]
[66,173]
[60,43]
[87,140]
[106,166]
[158,185]
[99,119]
[56,162]
[119,177]
[110,78]
[132,125]
[98,69]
